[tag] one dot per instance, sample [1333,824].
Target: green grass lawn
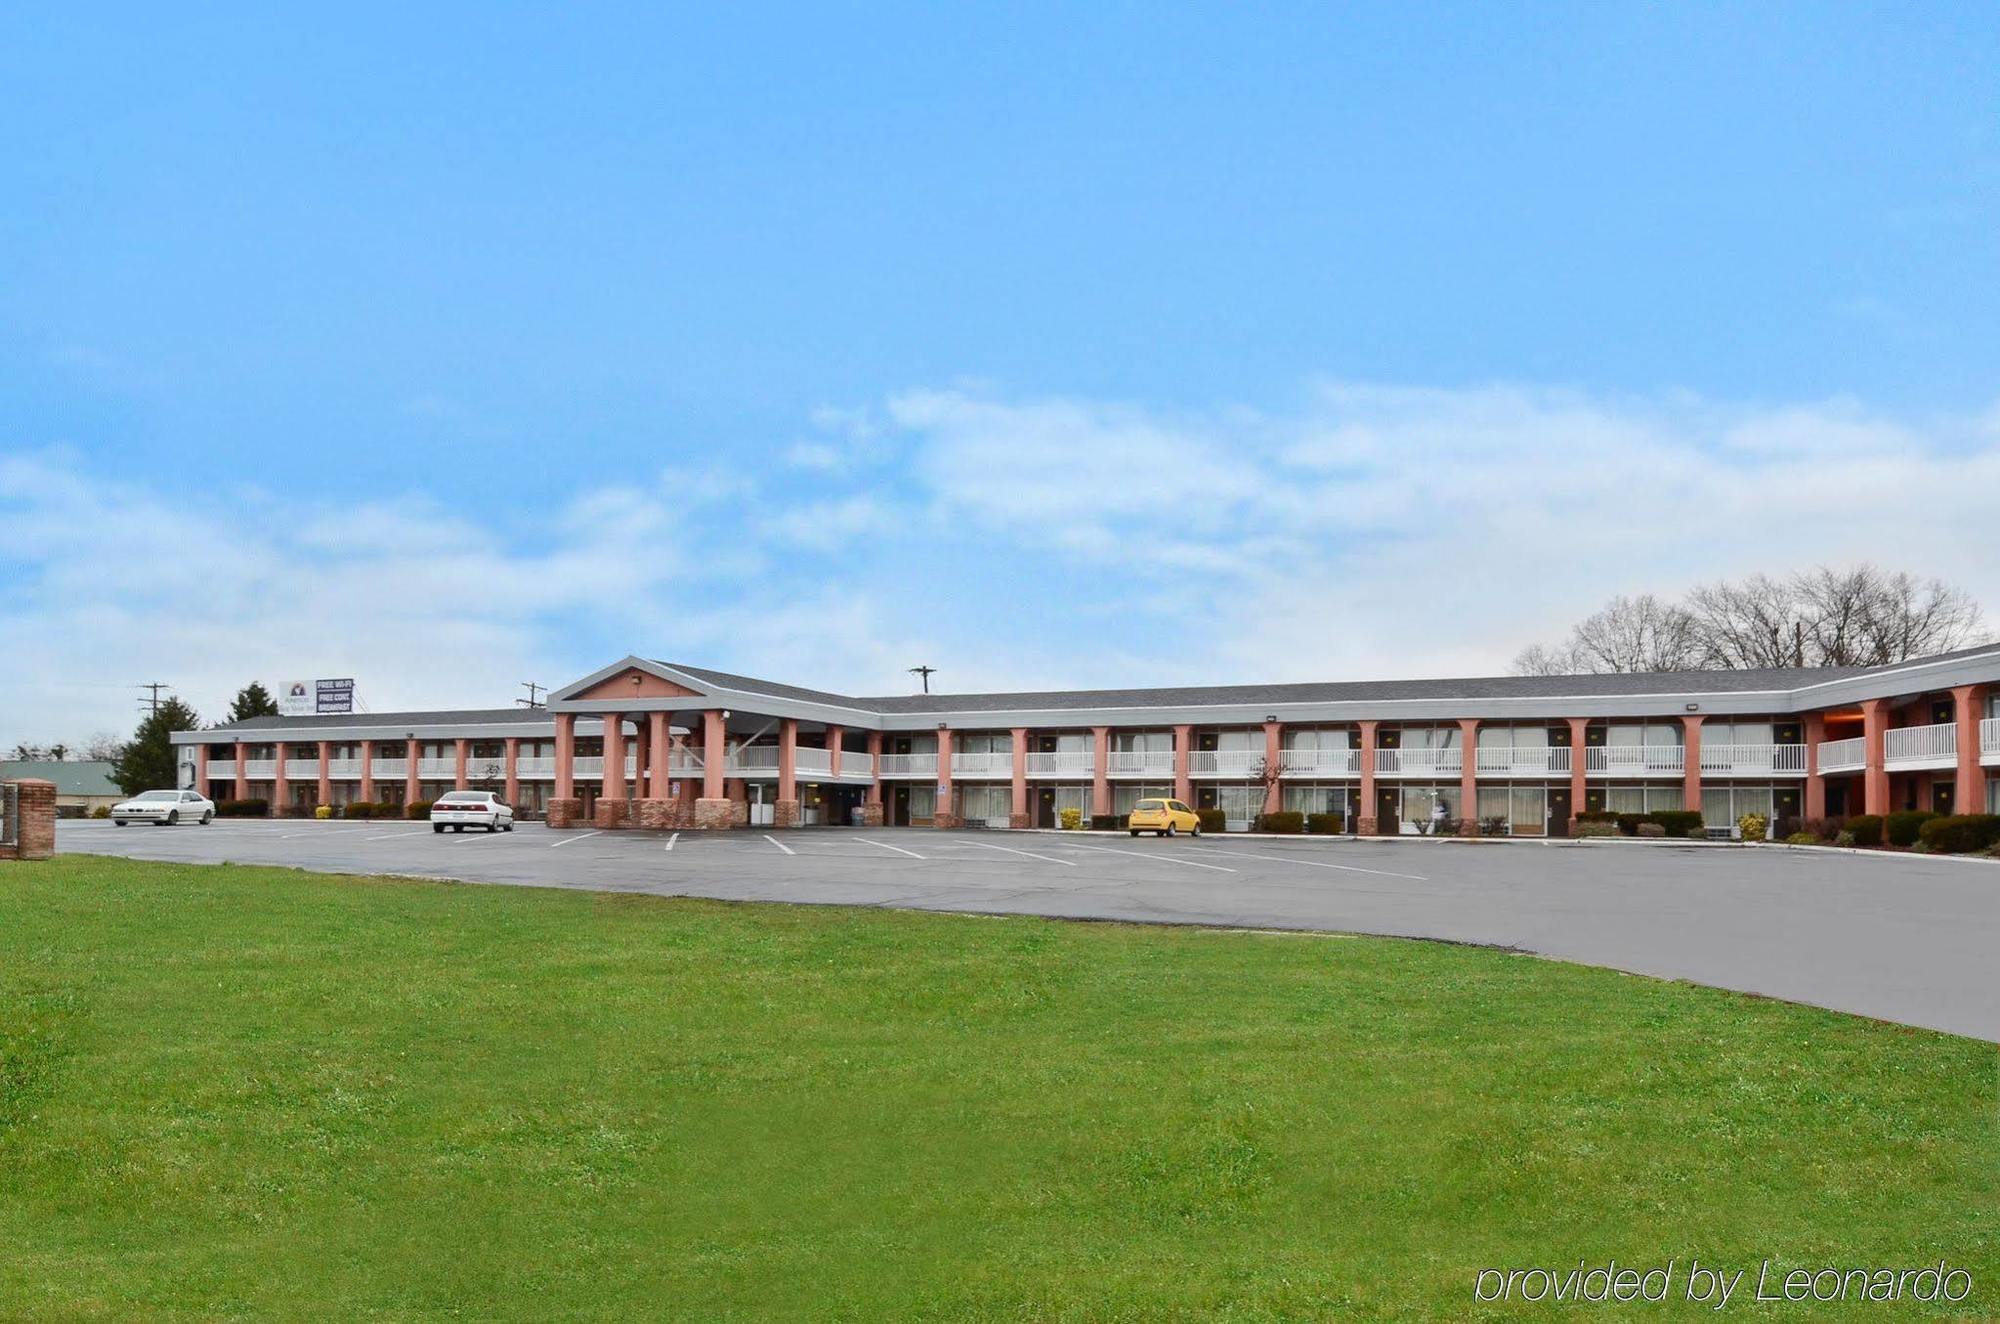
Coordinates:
[251,1092]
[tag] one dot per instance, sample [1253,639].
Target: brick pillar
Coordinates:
[565,778]
[1183,783]
[242,771]
[714,738]
[1579,769]
[1017,812]
[1691,765]
[642,734]
[834,736]
[1969,791]
[1468,775]
[659,756]
[1365,823]
[280,780]
[614,757]
[201,768]
[36,837]
[1815,731]
[513,791]
[943,816]
[1100,777]
[785,813]
[325,772]
[367,789]
[875,768]
[413,790]
[1274,762]
[1875,773]
[461,776]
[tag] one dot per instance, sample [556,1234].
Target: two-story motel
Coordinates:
[644,743]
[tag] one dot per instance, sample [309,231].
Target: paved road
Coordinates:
[1907,940]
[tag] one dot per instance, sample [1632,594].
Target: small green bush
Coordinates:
[358,809]
[1107,822]
[1596,827]
[1802,839]
[1326,825]
[1649,829]
[1287,821]
[414,809]
[1901,828]
[1212,820]
[1678,822]
[102,811]
[1597,816]
[1866,829]
[1843,838]
[243,809]
[1960,834]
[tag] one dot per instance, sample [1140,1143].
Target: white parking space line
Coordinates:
[671,840]
[1319,864]
[779,844]
[391,836]
[571,841]
[886,846]
[1030,854]
[1144,855]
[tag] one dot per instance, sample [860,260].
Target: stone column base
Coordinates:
[1020,821]
[785,813]
[710,815]
[563,813]
[871,815]
[946,820]
[739,813]
[1364,827]
[660,815]
[613,814]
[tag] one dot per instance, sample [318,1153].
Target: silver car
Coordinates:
[164,809]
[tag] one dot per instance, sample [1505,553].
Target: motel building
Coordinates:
[653,744]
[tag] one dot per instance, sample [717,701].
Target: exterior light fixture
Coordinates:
[1693,707]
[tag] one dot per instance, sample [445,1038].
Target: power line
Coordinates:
[534,691]
[152,702]
[926,672]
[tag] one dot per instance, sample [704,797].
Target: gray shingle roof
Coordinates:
[72,777]
[439,717]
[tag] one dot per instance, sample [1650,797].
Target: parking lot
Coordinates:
[1903,939]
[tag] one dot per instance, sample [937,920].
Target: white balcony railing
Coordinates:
[982,765]
[1419,762]
[535,768]
[391,768]
[810,762]
[1521,760]
[1225,762]
[1753,760]
[1141,763]
[222,767]
[1322,763]
[260,769]
[1843,755]
[1062,763]
[1921,746]
[343,769]
[1989,738]
[591,765]
[437,769]
[1635,760]
[909,765]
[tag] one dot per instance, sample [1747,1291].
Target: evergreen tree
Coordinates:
[253,700]
[148,763]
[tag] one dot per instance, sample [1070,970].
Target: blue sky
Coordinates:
[1293,311]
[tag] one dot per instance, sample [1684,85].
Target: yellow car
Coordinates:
[1163,818]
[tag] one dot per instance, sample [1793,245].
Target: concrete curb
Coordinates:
[1882,854]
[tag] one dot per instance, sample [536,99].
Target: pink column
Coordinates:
[280,782]
[1367,824]
[1100,777]
[642,734]
[413,790]
[1815,731]
[614,757]
[875,767]
[1875,773]
[1579,767]
[367,790]
[943,816]
[659,756]
[1274,758]
[461,759]
[1183,784]
[1969,791]
[513,770]
[713,738]
[201,768]
[1691,768]
[1468,771]
[834,736]
[326,772]
[242,771]
[788,759]
[565,779]
[1018,810]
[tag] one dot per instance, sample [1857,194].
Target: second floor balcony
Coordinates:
[1635,761]
[1074,763]
[1989,740]
[1140,763]
[909,765]
[984,764]
[1843,755]
[1934,746]
[1522,760]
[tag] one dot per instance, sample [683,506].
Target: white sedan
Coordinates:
[460,810]
[164,807]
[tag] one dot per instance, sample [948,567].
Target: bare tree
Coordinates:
[1636,634]
[1756,623]
[104,747]
[1543,660]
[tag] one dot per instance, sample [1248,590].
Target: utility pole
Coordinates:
[152,703]
[926,672]
[534,691]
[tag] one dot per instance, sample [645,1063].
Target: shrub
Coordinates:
[1865,829]
[1826,829]
[1326,825]
[102,811]
[1802,839]
[1107,822]
[323,812]
[1752,826]
[1071,819]
[1494,825]
[243,809]
[1287,821]
[1597,816]
[1212,820]
[1596,827]
[1649,829]
[1678,822]
[1900,829]
[1960,834]
[414,809]
[1843,838]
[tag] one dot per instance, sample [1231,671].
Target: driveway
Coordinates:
[1903,939]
